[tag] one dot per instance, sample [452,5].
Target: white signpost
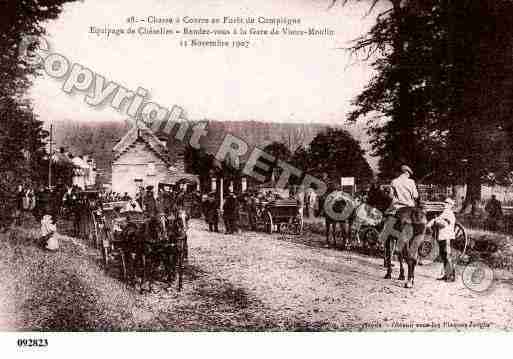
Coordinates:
[348,184]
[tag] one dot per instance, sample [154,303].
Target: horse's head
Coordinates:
[177,224]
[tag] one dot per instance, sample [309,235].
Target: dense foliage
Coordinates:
[336,153]
[21,134]
[441,99]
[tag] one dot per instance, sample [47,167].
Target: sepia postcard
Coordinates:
[255,166]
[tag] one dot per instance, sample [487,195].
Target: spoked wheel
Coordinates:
[459,243]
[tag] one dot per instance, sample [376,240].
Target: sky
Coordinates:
[277,79]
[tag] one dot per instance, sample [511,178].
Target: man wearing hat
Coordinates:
[405,190]
[149,202]
[231,213]
[443,229]
[404,194]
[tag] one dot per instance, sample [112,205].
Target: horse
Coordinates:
[337,201]
[409,236]
[176,227]
[160,240]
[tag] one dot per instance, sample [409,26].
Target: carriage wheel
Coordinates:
[269,223]
[459,243]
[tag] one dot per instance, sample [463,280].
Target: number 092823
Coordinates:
[34,342]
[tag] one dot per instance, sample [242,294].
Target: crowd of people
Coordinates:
[403,192]
[249,202]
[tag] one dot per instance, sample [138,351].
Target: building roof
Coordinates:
[175,177]
[136,134]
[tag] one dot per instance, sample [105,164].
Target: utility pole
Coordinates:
[50,157]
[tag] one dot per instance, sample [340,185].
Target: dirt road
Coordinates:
[237,282]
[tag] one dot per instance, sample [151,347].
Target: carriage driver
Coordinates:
[404,194]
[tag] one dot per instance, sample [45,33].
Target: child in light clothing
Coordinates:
[444,232]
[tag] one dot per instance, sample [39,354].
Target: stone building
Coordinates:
[142,159]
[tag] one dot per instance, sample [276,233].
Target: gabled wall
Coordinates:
[133,164]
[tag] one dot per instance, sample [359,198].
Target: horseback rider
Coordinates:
[404,190]
[404,194]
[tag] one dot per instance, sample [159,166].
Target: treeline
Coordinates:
[22,137]
[441,99]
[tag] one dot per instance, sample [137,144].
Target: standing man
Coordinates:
[20,194]
[139,196]
[494,210]
[252,210]
[230,214]
[300,198]
[167,201]
[444,233]
[312,202]
[149,203]
[211,213]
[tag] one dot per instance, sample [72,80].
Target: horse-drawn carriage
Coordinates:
[282,215]
[279,215]
[273,214]
[141,247]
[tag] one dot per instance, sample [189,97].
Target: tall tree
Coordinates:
[21,134]
[440,98]
[281,152]
[338,154]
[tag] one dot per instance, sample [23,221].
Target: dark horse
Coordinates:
[408,226]
[153,242]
